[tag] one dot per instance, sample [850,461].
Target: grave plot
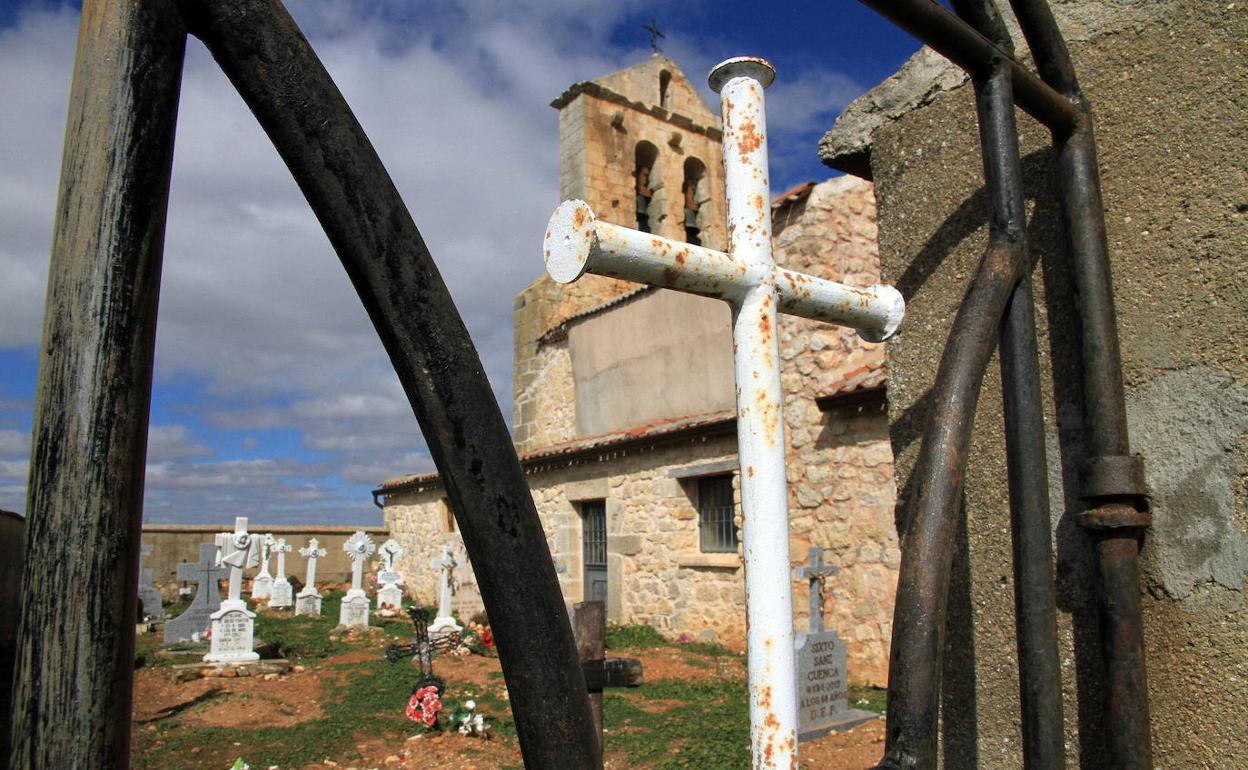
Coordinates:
[343,702]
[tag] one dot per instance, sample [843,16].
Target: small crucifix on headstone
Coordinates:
[308,602]
[281,595]
[149,595]
[815,572]
[756,289]
[195,620]
[389,595]
[354,610]
[233,626]
[444,624]
[262,583]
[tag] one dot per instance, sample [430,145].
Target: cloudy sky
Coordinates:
[273,397]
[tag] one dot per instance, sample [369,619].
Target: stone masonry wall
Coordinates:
[1168,83]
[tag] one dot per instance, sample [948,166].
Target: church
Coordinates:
[624,412]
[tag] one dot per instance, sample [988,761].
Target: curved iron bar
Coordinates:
[264,54]
[932,518]
[1113,484]
[1035,592]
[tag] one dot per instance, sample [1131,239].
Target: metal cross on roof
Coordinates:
[748,279]
[655,34]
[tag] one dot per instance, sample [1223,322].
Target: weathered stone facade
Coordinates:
[624,395]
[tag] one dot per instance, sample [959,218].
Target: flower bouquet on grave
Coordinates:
[478,639]
[426,702]
[468,721]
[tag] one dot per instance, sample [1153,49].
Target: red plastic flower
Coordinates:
[487,637]
[424,706]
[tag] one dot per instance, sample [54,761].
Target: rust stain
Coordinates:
[578,220]
[681,256]
[757,202]
[750,139]
[749,471]
[670,274]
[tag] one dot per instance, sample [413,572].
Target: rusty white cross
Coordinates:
[756,288]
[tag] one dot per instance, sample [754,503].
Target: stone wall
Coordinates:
[1168,82]
[177,543]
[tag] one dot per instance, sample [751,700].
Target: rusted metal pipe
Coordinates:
[932,516]
[267,58]
[75,660]
[957,41]
[1035,594]
[577,242]
[1113,479]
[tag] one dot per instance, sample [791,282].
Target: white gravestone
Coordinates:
[355,605]
[444,624]
[262,583]
[308,602]
[148,595]
[822,690]
[233,626]
[389,595]
[282,596]
[192,625]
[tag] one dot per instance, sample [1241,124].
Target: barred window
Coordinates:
[718,533]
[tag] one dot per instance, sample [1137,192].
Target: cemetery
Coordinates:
[884,472]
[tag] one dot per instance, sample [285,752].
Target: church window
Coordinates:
[665,79]
[716,515]
[691,192]
[646,182]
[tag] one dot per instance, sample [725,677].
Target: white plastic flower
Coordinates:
[470,704]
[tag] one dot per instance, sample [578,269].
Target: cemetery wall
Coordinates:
[1168,83]
[839,467]
[177,543]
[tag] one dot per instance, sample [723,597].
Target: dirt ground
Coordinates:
[163,704]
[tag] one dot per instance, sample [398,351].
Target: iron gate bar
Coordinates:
[1035,594]
[959,43]
[932,516]
[1113,485]
[75,661]
[264,54]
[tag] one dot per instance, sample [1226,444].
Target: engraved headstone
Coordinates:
[444,624]
[233,626]
[148,594]
[308,602]
[822,689]
[192,625]
[282,596]
[389,595]
[262,583]
[354,610]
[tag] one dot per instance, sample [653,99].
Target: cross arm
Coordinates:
[577,242]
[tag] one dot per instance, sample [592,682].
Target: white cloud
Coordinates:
[254,305]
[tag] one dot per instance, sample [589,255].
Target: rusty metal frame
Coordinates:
[84,506]
[977,40]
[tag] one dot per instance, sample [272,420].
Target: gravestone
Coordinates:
[153,607]
[282,596]
[262,583]
[444,624]
[355,606]
[192,625]
[233,626]
[822,687]
[308,602]
[389,595]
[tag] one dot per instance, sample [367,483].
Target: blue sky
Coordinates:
[273,398]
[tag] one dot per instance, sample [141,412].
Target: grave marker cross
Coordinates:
[312,553]
[815,572]
[756,288]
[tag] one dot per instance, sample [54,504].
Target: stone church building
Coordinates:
[624,396]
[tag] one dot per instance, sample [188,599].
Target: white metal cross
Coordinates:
[358,547]
[756,288]
[237,550]
[281,548]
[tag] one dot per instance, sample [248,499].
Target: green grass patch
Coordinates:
[868,698]
[706,726]
[634,638]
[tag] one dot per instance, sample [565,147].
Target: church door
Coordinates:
[594,534]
